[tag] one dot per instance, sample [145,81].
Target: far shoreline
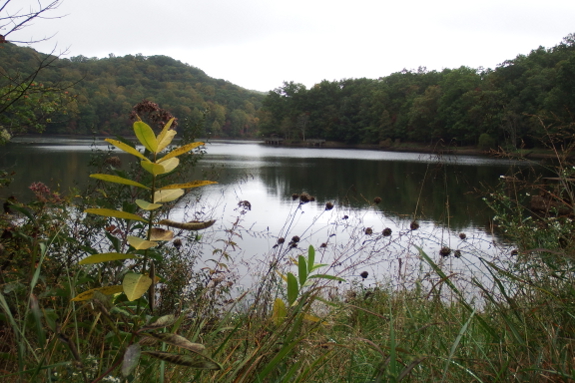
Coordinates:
[437,148]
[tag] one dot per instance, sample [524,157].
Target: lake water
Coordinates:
[443,194]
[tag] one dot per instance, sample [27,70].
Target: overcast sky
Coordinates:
[258,44]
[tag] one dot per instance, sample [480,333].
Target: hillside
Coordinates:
[106,90]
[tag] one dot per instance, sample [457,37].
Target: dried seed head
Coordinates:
[368,231]
[295,239]
[445,251]
[345,217]
[281,240]
[323,245]
[462,235]
[305,197]
[328,206]
[364,274]
[294,196]
[414,225]
[245,204]
[177,243]
[386,232]
[457,253]
[114,161]
[514,252]
[377,200]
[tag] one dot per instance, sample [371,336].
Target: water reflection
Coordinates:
[440,192]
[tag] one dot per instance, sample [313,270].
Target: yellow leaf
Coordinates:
[146,136]
[117,180]
[145,205]
[152,167]
[167,195]
[166,140]
[180,150]
[188,185]
[136,285]
[115,214]
[140,244]
[279,312]
[282,275]
[166,136]
[126,148]
[108,290]
[105,257]
[170,164]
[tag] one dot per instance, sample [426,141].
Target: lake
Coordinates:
[442,193]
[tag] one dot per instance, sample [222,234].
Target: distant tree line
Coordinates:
[105,91]
[462,106]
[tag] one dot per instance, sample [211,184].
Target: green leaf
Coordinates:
[131,359]
[292,287]
[135,285]
[315,267]
[310,258]
[196,361]
[168,195]
[302,270]
[105,257]
[180,150]
[188,185]
[115,214]
[140,244]
[126,148]
[280,312]
[179,341]
[153,168]
[146,136]
[118,180]
[327,276]
[145,205]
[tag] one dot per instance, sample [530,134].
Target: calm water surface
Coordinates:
[441,193]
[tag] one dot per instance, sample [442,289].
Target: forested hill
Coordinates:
[107,89]
[463,106]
